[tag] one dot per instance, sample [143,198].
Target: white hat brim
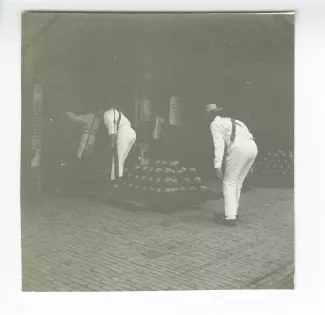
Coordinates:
[212,107]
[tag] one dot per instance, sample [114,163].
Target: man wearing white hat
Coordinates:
[121,139]
[234,146]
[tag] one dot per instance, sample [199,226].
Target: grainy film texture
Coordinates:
[157,151]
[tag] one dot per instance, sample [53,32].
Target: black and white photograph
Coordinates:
[157,151]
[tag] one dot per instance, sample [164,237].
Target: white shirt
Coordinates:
[89,124]
[111,121]
[221,129]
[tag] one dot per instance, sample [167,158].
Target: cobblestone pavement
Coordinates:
[78,245]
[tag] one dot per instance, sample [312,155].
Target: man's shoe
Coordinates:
[232,222]
[222,220]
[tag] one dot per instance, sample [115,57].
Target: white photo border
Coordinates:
[309,172]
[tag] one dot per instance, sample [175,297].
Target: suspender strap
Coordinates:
[91,132]
[233,134]
[116,125]
[233,131]
[119,120]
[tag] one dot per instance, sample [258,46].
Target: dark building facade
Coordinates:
[244,61]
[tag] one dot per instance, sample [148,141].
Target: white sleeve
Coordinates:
[72,116]
[109,122]
[219,144]
[76,118]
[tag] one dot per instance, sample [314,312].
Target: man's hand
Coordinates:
[219,172]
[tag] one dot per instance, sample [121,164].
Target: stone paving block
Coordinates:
[89,244]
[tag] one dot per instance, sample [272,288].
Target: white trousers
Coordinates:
[126,137]
[85,145]
[240,158]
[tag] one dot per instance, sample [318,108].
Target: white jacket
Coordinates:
[90,125]
[221,128]
[89,122]
[111,118]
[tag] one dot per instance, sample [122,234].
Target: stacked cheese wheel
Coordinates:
[279,163]
[164,179]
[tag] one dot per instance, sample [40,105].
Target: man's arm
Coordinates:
[219,145]
[109,123]
[75,118]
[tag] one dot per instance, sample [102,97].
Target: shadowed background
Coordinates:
[245,61]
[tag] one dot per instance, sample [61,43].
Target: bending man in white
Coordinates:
[121,139]
[235,146]
[90,123]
